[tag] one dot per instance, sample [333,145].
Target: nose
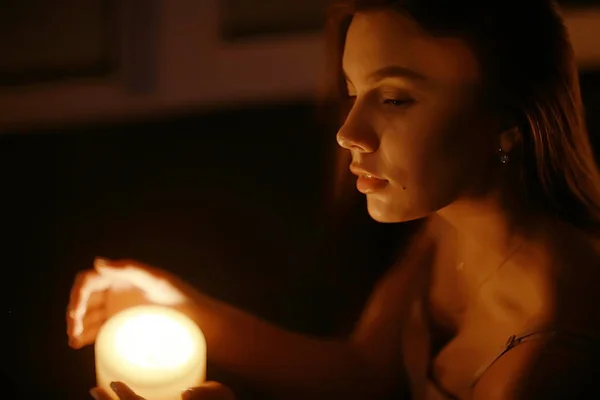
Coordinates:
[357,135]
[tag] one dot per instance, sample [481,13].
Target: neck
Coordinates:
[492,223]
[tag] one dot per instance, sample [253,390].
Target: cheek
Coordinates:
[445,154]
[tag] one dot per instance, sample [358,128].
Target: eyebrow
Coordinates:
[392,71]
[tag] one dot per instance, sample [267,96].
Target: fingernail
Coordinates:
[94,393]
[101,260]
[115,386]
[187,394]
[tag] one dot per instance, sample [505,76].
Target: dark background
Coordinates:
[233,201]
[226,200]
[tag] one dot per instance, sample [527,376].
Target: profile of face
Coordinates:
[418,134]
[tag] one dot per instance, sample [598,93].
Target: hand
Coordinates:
[113,286]
[207,391]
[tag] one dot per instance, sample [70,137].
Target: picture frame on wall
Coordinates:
[43,41]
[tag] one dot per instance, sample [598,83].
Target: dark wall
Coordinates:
[231,201]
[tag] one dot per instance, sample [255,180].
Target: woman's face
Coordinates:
[417,121]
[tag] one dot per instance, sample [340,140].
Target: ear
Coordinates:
[510,138]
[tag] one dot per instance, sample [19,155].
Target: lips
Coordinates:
[367,181]
[360,171]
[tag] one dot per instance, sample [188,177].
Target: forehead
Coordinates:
[380,39]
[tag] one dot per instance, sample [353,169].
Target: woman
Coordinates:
[466,115]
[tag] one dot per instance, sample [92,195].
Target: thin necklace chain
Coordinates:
[460,266]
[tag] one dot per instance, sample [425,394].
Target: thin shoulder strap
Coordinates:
[511,343]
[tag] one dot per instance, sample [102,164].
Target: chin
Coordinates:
[388,213]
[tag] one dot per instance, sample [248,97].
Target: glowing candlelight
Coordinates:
[157,351]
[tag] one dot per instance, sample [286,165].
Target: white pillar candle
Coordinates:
[157,351]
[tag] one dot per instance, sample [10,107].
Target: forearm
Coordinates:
[281,363]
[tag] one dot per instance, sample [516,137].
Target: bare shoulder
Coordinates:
[565,265]
[553,281]
[577,283]
[561,273]
[557,367]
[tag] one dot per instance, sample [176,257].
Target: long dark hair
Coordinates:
[531,75]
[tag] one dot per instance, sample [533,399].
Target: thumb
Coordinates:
[124,392]
[209,391]
[99,394]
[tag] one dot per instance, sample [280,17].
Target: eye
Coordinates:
[398,103]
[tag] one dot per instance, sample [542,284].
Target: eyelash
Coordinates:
[397,103]
[392,102]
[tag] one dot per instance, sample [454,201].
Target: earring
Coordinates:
[504,158]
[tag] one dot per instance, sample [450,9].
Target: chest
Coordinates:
[463,327]
[456,359]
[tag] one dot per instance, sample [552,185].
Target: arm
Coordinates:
[562,367]
[368,365]
[287,364]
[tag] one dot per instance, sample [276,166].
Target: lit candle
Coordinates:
[157,351]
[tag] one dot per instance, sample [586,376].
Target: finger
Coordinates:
[91,324]
[124,392]
[86,338]
[209,391]
[74,297]
[86,284]
[126,263]
[81,280]
[94,318]
[97,300]
[96,304]
[156,288]
[99,394]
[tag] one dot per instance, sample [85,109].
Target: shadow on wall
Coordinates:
[231,201]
